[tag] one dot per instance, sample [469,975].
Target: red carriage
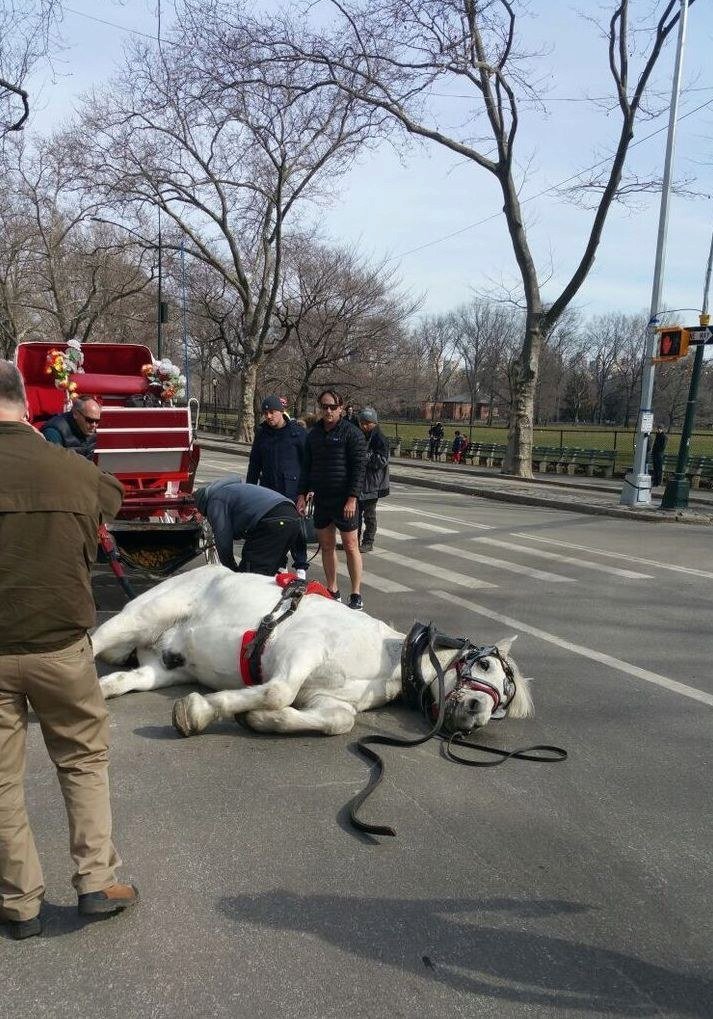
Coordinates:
[150,449]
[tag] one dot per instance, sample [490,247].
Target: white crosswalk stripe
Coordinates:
[405,510]
[433,571]
[432,527]
[394,535]
[502,564]
[378,583]
[618,555]
[585,564]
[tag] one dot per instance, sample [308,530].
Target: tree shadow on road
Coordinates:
[452,941]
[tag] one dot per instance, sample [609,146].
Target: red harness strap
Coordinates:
[282,580]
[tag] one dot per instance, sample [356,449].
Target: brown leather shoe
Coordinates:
[108,900]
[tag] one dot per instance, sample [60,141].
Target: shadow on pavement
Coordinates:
[450,940]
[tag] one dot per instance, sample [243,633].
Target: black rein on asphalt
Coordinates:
[540,753]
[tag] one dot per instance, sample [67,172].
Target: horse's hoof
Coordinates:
[180,718]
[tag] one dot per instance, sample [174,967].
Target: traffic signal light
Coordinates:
[673,343]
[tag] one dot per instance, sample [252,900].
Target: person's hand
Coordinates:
[301,505]
[350,507]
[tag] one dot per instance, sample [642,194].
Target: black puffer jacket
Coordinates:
[334,462]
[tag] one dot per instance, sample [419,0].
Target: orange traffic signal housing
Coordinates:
[673,343]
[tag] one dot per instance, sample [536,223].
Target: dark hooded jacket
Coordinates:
[277,457]
[376,476]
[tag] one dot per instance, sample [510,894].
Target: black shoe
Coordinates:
[356,601]
[366,546]
[335,594]
[21,929]
[110,900]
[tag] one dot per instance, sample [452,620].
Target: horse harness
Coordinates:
[419,694]
[254,641]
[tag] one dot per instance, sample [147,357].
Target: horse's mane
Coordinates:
[521,705]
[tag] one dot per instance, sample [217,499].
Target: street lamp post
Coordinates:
[214,383]
[637,484]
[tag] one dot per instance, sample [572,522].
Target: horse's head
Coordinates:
[488,684]
[480,682]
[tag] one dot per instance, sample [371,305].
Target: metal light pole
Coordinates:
[675,494]
[159,309]
[185,321]
[214,383]
[637,484]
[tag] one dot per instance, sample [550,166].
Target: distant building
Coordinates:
[456,408]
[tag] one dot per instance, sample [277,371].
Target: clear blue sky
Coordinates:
[389,206]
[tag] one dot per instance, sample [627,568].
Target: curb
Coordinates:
[650,516]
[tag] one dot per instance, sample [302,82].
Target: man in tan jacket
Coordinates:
[51,503]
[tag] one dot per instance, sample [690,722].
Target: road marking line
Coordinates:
[597,656]
[584,563]
[432,571]
[503,564]
[435,516]
[379,583]
[619,555]
[396,535]
[432,527]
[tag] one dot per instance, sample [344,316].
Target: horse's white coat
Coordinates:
[320,666]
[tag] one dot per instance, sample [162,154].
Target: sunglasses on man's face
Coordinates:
[90,421]
[329,406]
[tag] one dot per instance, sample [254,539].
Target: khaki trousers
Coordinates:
[63,689]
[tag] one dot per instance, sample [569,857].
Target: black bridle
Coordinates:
[418,694]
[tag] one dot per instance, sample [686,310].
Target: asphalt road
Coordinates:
[581,888]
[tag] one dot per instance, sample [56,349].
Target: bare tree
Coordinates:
[228,154]
[390,54]
[435,341]
[16,242]
[76,269]
[26,36]
[339,316]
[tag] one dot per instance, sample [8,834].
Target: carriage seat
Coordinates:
[100,384]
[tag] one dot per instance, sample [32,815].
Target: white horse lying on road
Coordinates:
[320,665]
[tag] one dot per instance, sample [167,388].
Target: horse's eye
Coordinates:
[485,664]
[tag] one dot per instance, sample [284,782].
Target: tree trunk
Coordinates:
[518,459]
[245,426]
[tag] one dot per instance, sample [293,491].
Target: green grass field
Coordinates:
[582,437]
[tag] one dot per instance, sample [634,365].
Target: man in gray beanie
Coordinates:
[376,476]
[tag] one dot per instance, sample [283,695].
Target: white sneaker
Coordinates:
[301,574]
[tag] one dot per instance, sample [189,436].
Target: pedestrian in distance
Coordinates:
[657,452]
[335,459]
[51,505]
[435,437]
[267,521]
[276,461]
[77,428]
[458,447]
[349,414]
[376,476]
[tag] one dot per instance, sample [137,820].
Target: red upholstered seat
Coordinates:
[96,384]
[44,402]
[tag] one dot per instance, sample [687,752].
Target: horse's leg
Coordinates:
[151,675]
[139,624]
[194,713]
[324,714]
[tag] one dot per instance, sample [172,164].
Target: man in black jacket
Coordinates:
[376,476]
[77,428]
[276,461]
[657,451]
[335,458]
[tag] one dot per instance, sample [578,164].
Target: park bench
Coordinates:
[569,459]
[699,469]
[394,442]
[486,454]
[418,448]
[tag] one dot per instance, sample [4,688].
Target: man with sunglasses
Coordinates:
[334,464]
[77,428]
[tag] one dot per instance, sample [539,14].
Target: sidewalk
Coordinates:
[598,496]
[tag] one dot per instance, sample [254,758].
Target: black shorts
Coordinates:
[326,513]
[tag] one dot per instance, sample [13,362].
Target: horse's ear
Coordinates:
[505,644]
